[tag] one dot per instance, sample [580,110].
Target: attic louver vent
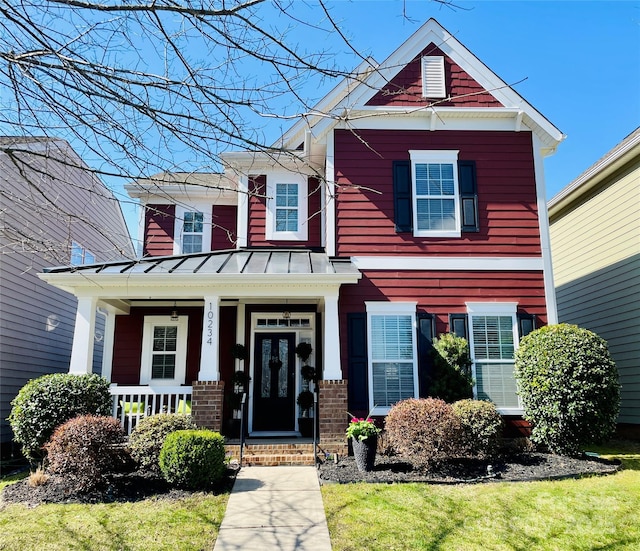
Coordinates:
[433,77]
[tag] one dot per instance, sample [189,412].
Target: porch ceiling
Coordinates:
[281,267]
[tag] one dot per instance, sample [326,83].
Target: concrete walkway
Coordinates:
[275,508]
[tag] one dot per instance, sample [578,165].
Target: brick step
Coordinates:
[273,454]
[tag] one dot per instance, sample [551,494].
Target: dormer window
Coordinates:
[433,85]
[192,228]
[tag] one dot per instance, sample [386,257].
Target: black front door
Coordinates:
[274,382]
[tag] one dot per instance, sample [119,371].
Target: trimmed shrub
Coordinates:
[85,449]
[425,431]
[569,387]
[450,378]
[482,427]
[147,438]
[193,459]
[46,402]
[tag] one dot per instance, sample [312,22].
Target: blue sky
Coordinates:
[580,59]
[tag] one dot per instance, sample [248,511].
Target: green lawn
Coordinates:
[590,513]
[153,524]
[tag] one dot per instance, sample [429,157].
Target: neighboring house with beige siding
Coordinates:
[595,242]
[53,210]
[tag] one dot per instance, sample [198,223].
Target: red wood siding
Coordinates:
[127,350]
[442,293]
[257,215]
[506,193]
[223,233]
[158,230]
[406,87]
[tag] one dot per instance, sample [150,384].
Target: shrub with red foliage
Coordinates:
[424,431]
[86,448]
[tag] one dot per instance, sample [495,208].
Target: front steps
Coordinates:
[271,453]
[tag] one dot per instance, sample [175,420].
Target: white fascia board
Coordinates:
[623,153]
[122,286]
[252,162]
[444,263]
[323,108]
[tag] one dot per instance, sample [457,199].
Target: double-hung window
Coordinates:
[493,340]
[287,207]
[192,230]
[164,350]
[392,354]
[436,198]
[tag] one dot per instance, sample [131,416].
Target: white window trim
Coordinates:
[390,309]
[147,348]
[445,156]
[207,220]
[494,309]
[433,81]
[303,201]
[83,255]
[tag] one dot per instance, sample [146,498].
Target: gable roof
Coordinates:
[370,78]
[627,150]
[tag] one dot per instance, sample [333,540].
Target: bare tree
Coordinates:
[161,86]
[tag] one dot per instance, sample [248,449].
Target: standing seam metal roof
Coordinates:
[229,262]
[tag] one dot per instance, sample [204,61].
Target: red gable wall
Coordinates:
[506,193]
[158,230]
[406,87]
[258,215]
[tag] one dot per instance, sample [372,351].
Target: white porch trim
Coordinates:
[209,369]
[83,336]
[331,334]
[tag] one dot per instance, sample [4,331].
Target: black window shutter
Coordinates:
[357,361]
[426,334]
[459,325]
[468,195]
[526,324]
[402,200]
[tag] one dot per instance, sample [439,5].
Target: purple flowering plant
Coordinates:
[362,428]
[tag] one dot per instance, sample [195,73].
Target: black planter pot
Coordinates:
[305,425]
[364,452]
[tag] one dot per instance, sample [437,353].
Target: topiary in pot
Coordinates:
[569,387]
[48,401]
[303,351]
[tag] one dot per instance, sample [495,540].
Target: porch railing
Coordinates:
[132,403]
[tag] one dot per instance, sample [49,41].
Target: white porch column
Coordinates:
[209,369]
[332,368]
[107,349]
[83,334]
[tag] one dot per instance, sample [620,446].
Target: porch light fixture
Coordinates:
[174,313]
[286,314]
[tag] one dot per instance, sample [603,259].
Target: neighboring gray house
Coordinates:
[53,211]
[595,242]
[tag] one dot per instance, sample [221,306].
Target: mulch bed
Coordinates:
[513,468]
[126,487]
[138,486]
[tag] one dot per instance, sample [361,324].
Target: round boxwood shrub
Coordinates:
[425,431]
[482,427]
[569,387]
[48,401]
[147,438]
[86,448]
[193,459]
